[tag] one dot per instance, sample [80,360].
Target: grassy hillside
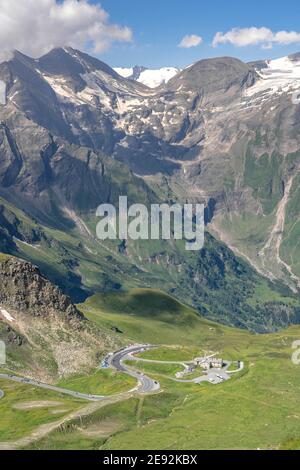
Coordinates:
[101,382]
[150,316]
[24,407]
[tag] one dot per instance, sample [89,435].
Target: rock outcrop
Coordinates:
[25,289]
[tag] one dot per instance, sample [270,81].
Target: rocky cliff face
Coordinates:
[23,288]
[46,336]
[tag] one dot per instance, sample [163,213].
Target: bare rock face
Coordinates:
[25,289]
[213,75]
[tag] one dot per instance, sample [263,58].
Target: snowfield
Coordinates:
[151,78]
[279,76]
[154,78]
[124,72]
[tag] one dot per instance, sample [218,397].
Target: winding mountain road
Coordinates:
[145,384]
[65,391]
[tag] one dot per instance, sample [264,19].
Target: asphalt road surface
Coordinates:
[36,383]
[214,376]
[145,384]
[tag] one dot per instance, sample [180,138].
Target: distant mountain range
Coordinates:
[74,133]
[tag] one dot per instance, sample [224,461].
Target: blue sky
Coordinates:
[142,32]
[159,25]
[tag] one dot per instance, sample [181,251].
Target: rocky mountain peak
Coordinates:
[213,75]
[71,62]
[23,288]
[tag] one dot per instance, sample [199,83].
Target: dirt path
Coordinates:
[45,429]
[30,405]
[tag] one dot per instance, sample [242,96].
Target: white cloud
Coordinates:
[253,36]
[287,37]
[36,26]
[191,40]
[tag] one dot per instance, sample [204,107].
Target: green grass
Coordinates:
[154,368]
[150,316]
[4,257]
[171,353]
[102,382]
[146,303]
[232,367]
[16,423]
[116,417]
[264,293]
[264,176]
[119,417]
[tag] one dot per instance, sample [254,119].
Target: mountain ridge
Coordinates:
[201,137]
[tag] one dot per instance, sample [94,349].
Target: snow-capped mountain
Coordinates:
[220,131]
[149,77]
